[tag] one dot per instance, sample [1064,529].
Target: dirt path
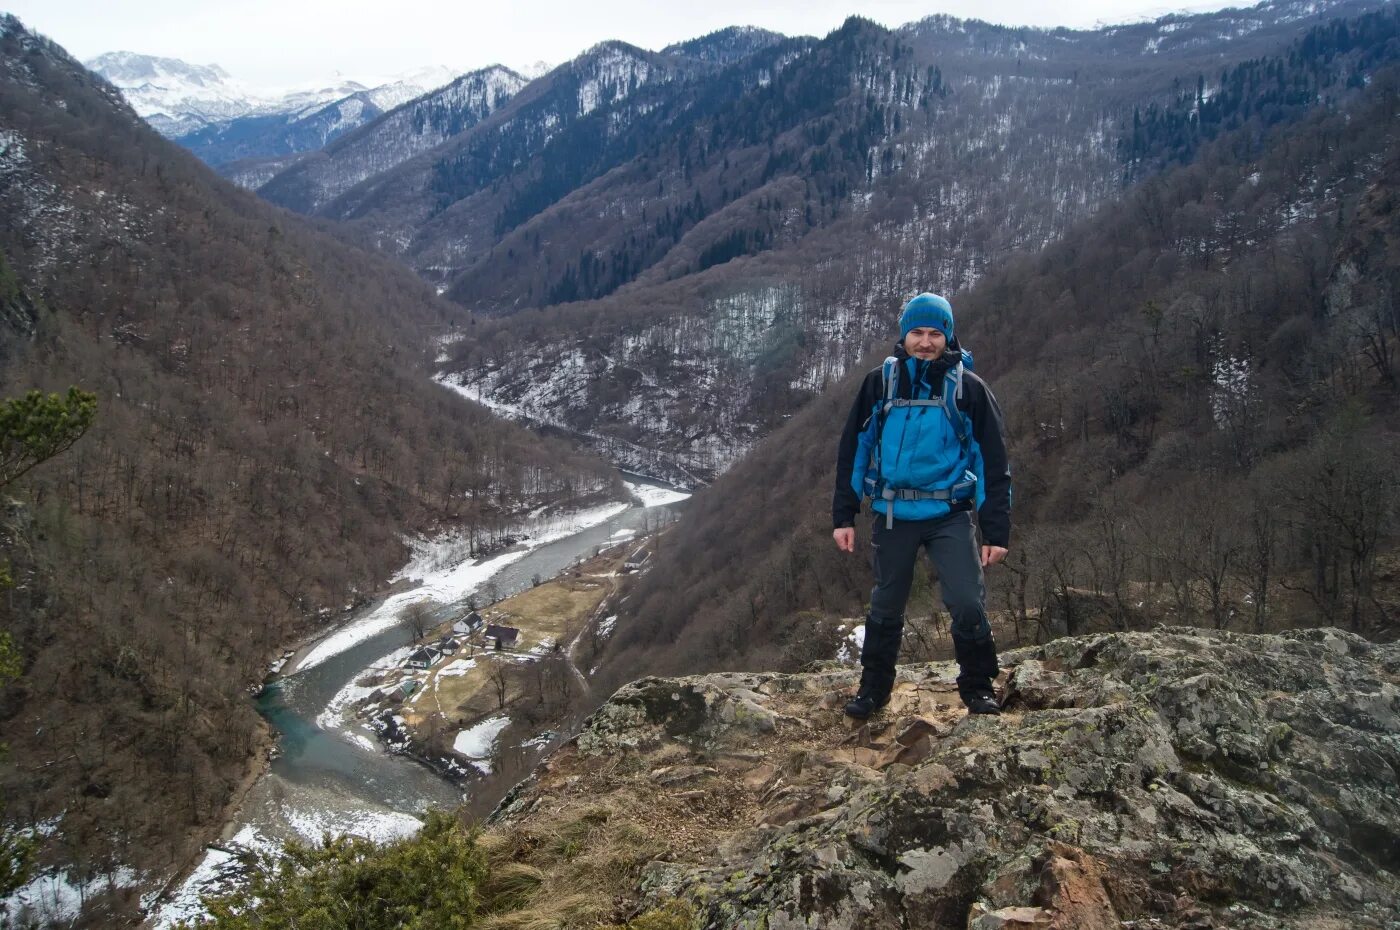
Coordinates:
[591,623]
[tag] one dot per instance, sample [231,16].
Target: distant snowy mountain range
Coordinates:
[180,99]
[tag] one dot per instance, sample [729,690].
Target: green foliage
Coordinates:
[451,876]
[10,663]
[36,427]
[673,915]
[427,882]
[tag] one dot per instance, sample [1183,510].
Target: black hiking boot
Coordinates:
[982,704]
[863,705]
[977,665]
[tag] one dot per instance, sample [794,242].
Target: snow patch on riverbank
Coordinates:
[354,693]
[55,899]
[651,496]
[446,574]
[221,870]
[379,826]
[476,742]
[360,740]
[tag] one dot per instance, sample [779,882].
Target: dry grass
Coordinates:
[578,871]
[444,694]
[555,610]
[555,913]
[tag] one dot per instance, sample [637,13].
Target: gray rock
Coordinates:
[1180,778]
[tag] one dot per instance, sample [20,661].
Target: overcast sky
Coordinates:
[279,43]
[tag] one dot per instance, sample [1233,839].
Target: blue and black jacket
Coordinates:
[919,450]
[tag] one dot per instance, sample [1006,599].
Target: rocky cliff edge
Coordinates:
[1174,779]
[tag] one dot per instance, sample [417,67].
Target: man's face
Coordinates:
[925,343]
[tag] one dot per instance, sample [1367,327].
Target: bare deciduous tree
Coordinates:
[500,681]
[417,617]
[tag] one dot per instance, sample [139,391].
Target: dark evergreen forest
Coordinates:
[1261,93]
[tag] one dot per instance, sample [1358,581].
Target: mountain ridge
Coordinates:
[221,119]
[983,165]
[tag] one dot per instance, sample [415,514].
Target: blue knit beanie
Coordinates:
[927,310]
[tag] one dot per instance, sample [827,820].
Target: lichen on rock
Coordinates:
[1178,778]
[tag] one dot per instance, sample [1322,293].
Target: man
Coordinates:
[924,441]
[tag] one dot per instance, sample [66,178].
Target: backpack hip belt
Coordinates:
[956,493]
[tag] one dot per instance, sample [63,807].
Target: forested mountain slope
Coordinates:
[388,141]
[278,135]
[472,157]
[710,100]
[266,436]
[883,174]
[1200,390]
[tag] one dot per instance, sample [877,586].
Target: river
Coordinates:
[327,776]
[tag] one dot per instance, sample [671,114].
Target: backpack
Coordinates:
[874,485]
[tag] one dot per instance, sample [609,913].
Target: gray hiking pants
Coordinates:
[951,542]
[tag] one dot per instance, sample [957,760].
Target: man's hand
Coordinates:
[991,555]
[846,538]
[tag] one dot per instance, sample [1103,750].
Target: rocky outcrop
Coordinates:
[1174,779]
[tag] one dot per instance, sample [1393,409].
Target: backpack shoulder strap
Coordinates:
[953,392]
[889,374]
[889,383]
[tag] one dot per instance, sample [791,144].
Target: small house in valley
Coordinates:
[448,645]
[422,657]
[637,560]
[500,637]
[466,626]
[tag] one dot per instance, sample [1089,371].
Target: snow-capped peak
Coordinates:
[172,95]
[177,97]
[131,69]
[536,70]
[401,88]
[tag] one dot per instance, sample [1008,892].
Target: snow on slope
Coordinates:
[172,95]
[177,97]
[407,131]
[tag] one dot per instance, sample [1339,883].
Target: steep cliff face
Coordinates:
[1172,779]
